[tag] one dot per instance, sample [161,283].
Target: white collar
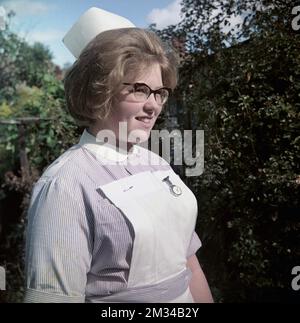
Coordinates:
[104,149]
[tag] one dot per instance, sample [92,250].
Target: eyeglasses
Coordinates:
[142,91]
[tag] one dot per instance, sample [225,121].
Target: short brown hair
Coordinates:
[97,76]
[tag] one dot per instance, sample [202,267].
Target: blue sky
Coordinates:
[48,21]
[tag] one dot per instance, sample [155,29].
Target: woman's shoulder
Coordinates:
[76,168]
[62,163]
[66,173]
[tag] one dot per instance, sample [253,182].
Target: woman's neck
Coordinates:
[128,145]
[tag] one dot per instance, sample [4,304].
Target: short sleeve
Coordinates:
[58,244]
[195,244]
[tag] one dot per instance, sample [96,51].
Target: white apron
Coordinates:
[163,223]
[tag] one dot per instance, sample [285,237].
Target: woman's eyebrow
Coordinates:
[156,88]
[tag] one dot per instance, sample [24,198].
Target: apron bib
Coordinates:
[163,212]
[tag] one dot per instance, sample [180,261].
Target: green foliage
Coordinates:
[21,62]
[29,88]
[242,88]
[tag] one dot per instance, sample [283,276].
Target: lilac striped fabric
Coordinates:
[78,244]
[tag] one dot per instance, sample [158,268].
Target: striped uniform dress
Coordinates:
[78,244]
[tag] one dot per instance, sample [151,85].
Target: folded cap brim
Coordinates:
[93,22]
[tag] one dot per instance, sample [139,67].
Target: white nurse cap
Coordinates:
[93,22]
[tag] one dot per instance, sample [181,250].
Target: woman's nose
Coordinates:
[151,103]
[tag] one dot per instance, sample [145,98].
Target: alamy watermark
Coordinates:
[296,20]
[187,148]
[296,280]
[2,278]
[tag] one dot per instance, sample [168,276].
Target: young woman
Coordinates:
[111,221]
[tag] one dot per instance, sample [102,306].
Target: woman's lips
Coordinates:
[146,122]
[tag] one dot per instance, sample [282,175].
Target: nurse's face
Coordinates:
[140,117]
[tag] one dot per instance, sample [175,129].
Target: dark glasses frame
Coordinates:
[135,85]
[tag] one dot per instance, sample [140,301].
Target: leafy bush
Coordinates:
[29,88]
[242,88]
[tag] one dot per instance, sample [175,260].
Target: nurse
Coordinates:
[110,221]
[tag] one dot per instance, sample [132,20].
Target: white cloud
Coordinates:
[46,36]
[2,18]
[164,17]
[26,7]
